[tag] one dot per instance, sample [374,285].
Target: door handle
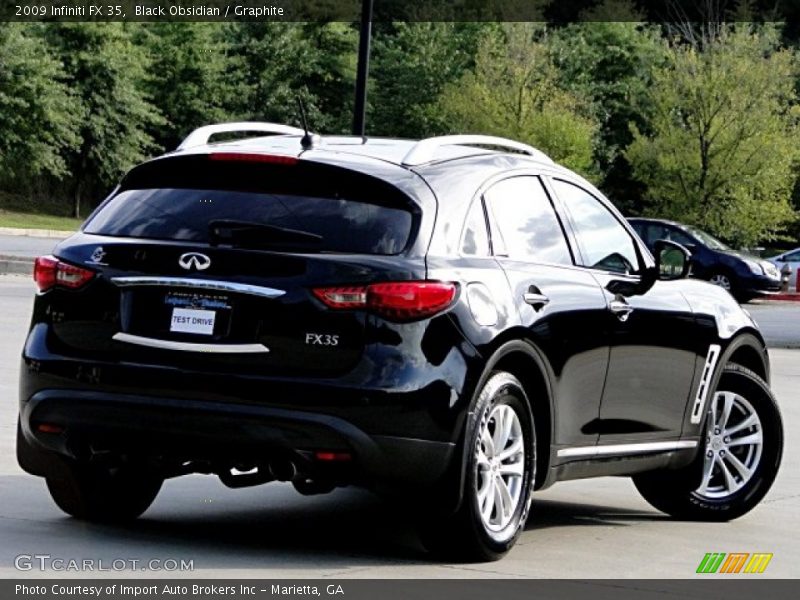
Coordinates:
[620,308]
[537,301]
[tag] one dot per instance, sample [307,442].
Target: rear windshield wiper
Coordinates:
[251,234]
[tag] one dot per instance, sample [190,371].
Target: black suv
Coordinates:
[455,322]
[743,275]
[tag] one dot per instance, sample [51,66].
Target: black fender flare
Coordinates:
[529,349]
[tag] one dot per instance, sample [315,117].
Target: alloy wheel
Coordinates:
[722,281]
[500,464]
[734,442]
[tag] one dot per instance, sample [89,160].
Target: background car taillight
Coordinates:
[48,272]
[396,301]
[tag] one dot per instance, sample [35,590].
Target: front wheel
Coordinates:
[103,495]
[723,280]
[741,453]
[501,445]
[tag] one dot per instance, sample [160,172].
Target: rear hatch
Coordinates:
[210,262]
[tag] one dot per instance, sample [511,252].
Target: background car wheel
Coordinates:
[739,458]
[501,444]
[103,495]
[723,280]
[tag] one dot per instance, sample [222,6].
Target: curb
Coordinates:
[45,233]
[16,265]
[783,297]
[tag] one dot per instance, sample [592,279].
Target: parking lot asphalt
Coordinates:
[597,528]
[779,322]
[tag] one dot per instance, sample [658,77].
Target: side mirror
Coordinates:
[672,260]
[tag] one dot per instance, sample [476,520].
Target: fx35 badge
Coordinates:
[321,339]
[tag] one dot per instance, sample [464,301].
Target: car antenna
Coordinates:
[308,140]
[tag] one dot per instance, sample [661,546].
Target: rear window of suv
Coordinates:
[333,224]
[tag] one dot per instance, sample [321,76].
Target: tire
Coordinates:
[103,495]
[480,530]
[697,493]
[724,280]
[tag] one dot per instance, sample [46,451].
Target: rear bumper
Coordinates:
[225,433]
[400,416]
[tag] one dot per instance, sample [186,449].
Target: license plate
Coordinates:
[188,320]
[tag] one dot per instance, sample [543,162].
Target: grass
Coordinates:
[20,212]
[24,220]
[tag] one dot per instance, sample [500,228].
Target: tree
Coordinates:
[515,90]
[608,57]
[412,64]
[108,79]
[281,62]
[191,77]
[723,147]
[37,123]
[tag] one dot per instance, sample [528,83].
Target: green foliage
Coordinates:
[516,91]
[191,78]
[412,64]
[283,61]
[109,76]
[610,62]
[37,123]
[724,137]
[701,129]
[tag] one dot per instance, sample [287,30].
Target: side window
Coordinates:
[675,235]
[526,223]
[793,257]
[655,232]
[605,243]
[476,237]
[640,229]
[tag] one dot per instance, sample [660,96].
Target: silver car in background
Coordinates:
[791,258]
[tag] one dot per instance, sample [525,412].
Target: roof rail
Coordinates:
[422,152]
[201,135]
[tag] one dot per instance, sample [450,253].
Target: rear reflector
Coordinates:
[396,301]
[49,428]
[49,272]
[332,456]
[273,159]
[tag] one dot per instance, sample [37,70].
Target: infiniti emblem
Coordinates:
[194,260]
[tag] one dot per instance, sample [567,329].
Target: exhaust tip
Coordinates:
[283,470]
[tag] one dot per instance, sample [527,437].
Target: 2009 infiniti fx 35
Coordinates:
[457,320]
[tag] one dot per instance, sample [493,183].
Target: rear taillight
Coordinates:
[49,272]
[396,301]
